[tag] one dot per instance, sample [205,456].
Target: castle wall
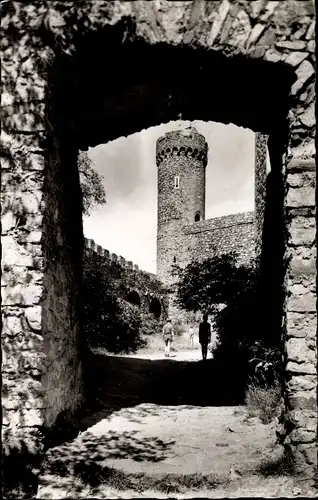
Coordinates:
[221,235]
[127,277]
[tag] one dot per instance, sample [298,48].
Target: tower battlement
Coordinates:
[186,142]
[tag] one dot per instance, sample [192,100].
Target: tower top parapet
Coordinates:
[186,141]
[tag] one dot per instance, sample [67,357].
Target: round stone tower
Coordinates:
[181,159]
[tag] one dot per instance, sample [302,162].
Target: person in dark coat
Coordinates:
[204,335]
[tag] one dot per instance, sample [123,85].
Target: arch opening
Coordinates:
[155,307]
[134,298]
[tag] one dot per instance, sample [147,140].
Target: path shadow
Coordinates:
[114,383]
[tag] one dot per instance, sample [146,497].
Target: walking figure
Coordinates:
[191,335]
[167,333]
[204,335]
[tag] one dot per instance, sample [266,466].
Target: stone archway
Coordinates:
[50,112]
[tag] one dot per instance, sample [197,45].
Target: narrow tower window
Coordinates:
[176,182]
[197,217]
[174,259]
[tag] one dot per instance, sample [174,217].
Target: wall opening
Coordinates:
[176,182]
[155,307]
[197,217]
[134,298]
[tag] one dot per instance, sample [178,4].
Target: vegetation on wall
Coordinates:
[109,322]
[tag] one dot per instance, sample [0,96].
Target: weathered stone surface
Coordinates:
[298,351]
[25,295]
[311,46]
[302,264]
[295,58]
[23,418]
[304,368]
[308,118]
[304,301]
[301,325]
[303,400]
[303,383]
[306,454]
[302,231]
[34,317]
[300,197]
[303,72]
[292,45]
[301,179]
[303,436]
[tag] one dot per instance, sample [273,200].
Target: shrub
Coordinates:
[109,322]
[179,327]
[263,402]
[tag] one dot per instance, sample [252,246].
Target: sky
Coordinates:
[127,223]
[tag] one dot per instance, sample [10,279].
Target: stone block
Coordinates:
[23,202]
[23,181]
[295,58]
[25,295]
[304,400]
[302,302]
[33,317]
[17,144]
[311,31]
[301,368]
[24,117]
[12,277]
[22,393]
[311,46]
[300,325]
[303,72]
[298,351]
[22,439]
[306,454]
[291,45]
[302,436]
[18,256]
[302,383]
[301,267]
[23,417]
[302,230]
[300,197]
[308,117]
[11,326]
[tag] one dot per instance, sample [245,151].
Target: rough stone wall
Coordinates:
[260,188]
[127,277]
[274,31]
[221,235]
[301,313]
[62,243]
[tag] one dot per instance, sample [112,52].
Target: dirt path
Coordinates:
[129,448]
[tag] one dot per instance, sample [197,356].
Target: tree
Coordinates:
[241,325]
[203,286]
[91,182]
